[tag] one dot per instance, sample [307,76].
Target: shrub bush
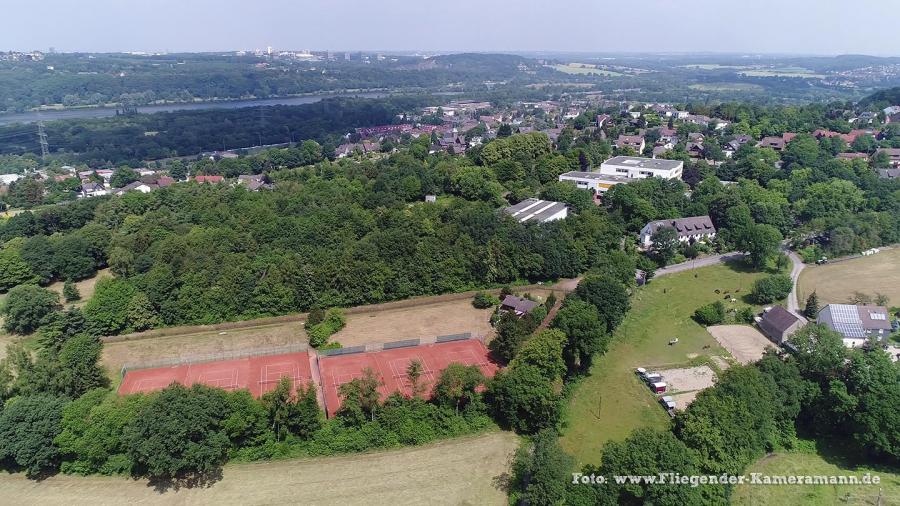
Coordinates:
[745,315]
[315,317]
[771,288]
[319,333]
[70,292]
[484,300]
[710,314]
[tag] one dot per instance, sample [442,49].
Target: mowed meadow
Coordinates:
[612,401]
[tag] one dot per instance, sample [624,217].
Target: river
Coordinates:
[103,112]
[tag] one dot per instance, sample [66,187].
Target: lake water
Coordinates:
[103,112]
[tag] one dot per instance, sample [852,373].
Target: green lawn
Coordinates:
[660,311]
[824,460]
[726,87]
[585,68]
[783,72]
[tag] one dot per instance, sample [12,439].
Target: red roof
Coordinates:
[208,179]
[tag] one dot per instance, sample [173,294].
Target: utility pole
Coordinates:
[45,146]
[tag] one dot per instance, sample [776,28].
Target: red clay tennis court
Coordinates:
[258,374]
[390,367]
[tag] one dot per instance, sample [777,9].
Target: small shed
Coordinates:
[778,324]
[518,305]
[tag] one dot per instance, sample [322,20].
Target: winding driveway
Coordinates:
[798,266]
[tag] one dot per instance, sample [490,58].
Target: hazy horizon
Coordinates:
[765,27]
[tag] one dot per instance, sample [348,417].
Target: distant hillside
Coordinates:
[478,62]
[883,98]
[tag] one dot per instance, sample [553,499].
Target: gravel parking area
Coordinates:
[688,379]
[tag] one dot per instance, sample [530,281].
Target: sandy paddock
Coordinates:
[745,343]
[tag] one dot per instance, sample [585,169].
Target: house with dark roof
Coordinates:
[889,173]
[635,142]
[893,155]
[776,143]
[91,189]
[738,141]
[667,135]
[778,324]
[690,230]
[695,149]
[253,182]
[856,323]
[137,186]
[853,156]
[518,305]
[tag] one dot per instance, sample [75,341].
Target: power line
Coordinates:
[45,146]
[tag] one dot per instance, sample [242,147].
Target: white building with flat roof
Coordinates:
[594,181]
[541,211]
[636,167]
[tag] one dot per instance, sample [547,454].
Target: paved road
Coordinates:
[698,263]
[798,266]
[569,285]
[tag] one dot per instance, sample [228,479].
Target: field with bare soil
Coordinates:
[459,471]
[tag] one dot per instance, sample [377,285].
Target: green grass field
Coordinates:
[585,68]
[660,311]
[726,87]
[710,66]
[810,460]
[783,72]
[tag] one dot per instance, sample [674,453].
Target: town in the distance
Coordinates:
[281,276]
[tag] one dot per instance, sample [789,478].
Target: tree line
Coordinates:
[131,139]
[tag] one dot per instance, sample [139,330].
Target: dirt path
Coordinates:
[459,471]
[550,316]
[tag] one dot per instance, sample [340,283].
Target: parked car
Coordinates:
[653,378]
[668,402]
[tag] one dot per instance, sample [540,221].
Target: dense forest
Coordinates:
[131,139]
[881,99]
[332,234]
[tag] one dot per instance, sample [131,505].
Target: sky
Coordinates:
[722,26]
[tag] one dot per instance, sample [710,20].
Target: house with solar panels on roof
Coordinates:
[856,323]
[690,230]
[537,211]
